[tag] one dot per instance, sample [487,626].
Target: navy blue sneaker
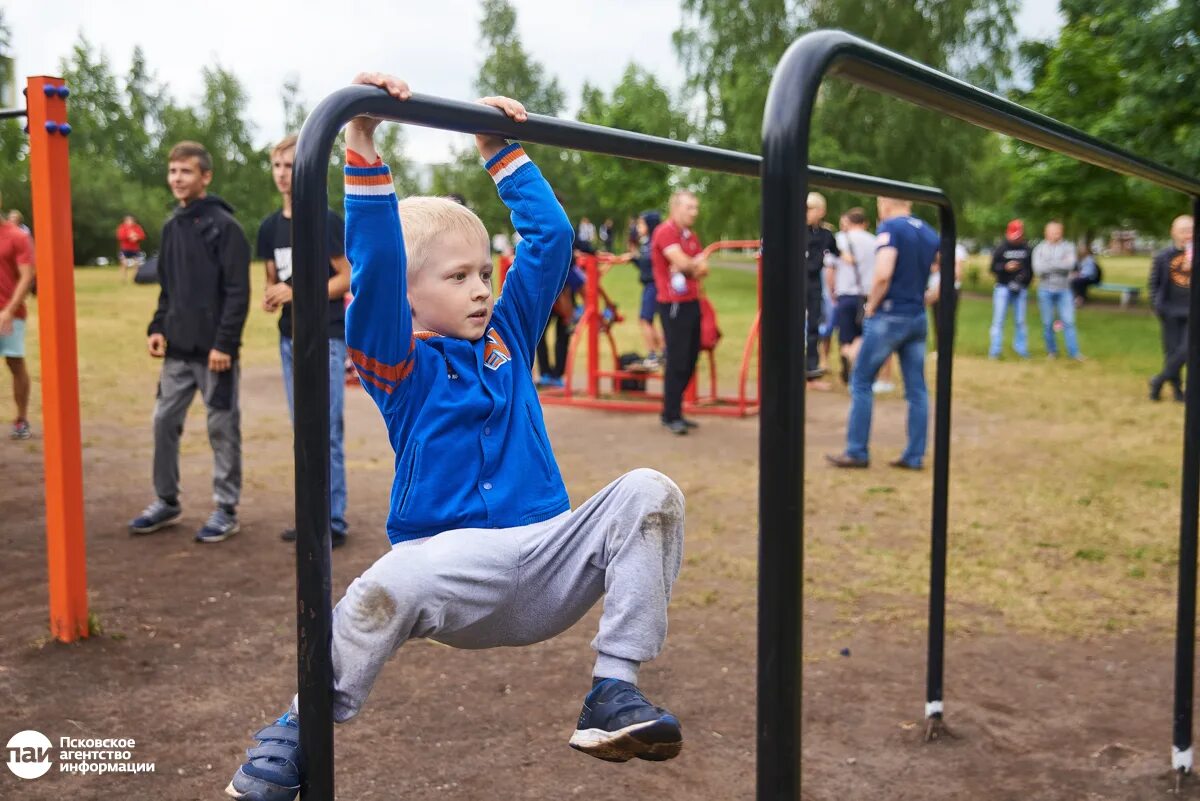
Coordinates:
[274,767]
[220,526]
[159,514]
[618,723]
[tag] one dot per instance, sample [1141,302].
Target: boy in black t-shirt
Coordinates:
[275,249]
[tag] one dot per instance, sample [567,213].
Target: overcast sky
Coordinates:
[433,44]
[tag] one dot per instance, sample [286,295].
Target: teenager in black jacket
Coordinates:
[204,272]
[1012,266]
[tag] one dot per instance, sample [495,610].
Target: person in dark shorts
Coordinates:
[647,221]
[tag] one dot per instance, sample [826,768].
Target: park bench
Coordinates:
[1128,292]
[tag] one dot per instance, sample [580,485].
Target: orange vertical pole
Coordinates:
[55,260]
[591,294]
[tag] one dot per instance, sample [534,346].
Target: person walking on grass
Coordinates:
[130,237]
[1053,263]
[906,251]
[204,278]
[275,250]
[1170,293]
[16,278]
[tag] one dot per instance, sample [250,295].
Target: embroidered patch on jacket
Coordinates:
[495,352]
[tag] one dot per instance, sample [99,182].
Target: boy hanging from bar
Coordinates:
[486,550]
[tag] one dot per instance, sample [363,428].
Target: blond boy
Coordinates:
[486,550]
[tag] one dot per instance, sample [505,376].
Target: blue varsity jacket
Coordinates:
[463,417]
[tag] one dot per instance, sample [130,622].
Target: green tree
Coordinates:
[111,167]
[620,188]
[508,70]
[14,150]
[1126,72]
[730,50]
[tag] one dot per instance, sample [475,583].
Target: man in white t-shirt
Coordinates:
[849,281]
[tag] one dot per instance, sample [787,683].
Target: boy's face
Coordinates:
[1053,232]
[281,169]
[452,295]
[187,181]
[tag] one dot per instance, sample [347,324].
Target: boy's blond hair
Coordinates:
[426,220]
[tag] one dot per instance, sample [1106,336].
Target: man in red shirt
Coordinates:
[675,255]
[16,276]
[129,239]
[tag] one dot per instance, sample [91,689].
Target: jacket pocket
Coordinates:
[543,447]
[410,476]
[224,383]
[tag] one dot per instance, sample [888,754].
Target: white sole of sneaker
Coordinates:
[273,791]
[236,528]
[650,740]
[170,521]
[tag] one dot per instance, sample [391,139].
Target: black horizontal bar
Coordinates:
[12,113]
[464,117]
[870,65]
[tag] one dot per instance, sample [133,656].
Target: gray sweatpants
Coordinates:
[177,385]
[483,588]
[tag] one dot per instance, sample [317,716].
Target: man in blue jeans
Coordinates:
[906,248]
[275,249]
[1053,261]
[1012,266]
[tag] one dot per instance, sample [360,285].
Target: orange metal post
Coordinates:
[55,260]
[592,294]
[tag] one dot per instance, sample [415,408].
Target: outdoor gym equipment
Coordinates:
[595,325]
[778,727]
[50,179]
[786,176]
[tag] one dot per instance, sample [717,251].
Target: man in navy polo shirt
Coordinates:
[906,250]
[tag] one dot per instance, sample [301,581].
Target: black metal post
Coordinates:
[314,612]
[785,178]
[1185,611]
[13,113]
[946,320]
[796,81]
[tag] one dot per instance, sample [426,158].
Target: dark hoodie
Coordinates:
[642,260]
[204,273]
[1008,251]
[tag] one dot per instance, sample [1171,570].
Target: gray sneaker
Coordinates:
[222,524]
[159,514]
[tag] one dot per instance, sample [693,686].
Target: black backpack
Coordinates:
[626,361]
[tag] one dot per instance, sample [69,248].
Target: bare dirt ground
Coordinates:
[198,645]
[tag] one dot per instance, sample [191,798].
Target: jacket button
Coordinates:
[487,431]
[487,485]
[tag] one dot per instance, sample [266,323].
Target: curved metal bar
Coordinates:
[309,202]
[786,134]
[867,64]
